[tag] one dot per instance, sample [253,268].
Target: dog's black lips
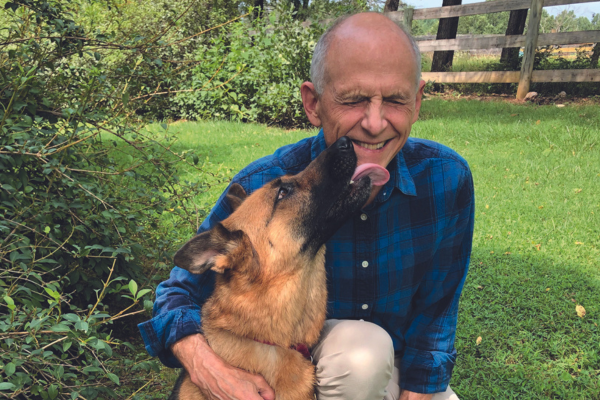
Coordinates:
[352,196]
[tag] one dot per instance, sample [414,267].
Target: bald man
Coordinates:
[395,271]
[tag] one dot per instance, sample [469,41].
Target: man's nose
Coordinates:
[374,121]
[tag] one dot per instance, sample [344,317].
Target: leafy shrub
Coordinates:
[260,67]
[173,26]
[82,192]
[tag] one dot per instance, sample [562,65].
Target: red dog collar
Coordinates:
[300,348]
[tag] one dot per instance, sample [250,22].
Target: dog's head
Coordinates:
[286,222]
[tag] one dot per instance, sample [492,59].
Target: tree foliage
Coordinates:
[259,69]
[567,21]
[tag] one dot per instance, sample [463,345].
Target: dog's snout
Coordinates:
[344,144]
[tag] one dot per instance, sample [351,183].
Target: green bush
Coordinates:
[173,26]
[260,65]
[82,195]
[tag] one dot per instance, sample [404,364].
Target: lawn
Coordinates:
[536,252]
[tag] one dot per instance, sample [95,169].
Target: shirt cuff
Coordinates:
[163,330]
[426,371]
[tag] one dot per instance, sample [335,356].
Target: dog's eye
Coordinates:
[282,193]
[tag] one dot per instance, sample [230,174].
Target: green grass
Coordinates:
[536,248]
[223,149]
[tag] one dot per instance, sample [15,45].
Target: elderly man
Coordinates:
[395,272]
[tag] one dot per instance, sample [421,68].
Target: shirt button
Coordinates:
[365,306]
[365,264]
[363,217]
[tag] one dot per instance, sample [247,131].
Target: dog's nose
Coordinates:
[344,144]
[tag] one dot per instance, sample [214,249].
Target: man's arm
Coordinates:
[215,377]
[429,355]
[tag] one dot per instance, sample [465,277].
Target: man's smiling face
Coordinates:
[370,92]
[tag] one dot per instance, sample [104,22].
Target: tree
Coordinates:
[482,24]
[424,27]
[596,21]
[565,21]
[583,24]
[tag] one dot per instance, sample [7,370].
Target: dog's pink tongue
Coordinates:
[379,175]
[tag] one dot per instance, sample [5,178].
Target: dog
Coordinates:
[269,301]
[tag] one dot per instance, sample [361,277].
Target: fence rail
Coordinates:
[530,42]
[501,41]
[558,75]
[486,7]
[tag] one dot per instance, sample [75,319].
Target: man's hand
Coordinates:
[216,378]
[406,395]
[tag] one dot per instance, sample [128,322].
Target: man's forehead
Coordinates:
[361,47]
[363,25]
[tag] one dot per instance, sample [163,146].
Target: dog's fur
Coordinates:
[271,286]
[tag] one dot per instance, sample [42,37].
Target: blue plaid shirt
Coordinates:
[400,263]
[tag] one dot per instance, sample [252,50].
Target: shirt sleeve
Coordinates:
[429,353]
[176,311]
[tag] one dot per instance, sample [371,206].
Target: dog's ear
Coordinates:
[218,249]
[235,196]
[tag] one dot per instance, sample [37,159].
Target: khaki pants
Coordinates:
[355,361]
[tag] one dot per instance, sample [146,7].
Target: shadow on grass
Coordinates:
[533,343]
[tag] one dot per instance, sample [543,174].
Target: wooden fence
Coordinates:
[529,41]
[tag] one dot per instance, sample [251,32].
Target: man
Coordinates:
[395,272]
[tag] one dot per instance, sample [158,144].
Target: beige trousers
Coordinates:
[355,361]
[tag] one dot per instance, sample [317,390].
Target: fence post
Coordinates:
[447,28]
[516,26]
[407,18]
[533,29]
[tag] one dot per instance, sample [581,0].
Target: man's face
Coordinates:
[370,93]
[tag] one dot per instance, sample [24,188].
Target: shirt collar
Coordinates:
[400,177]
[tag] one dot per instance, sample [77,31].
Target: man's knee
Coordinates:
[370,347]
[357,352]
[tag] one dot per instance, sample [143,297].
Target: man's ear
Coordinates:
[418,100]
[235,196]
[310,101]
[216,249]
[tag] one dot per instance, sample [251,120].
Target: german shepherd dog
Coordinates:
[269,301]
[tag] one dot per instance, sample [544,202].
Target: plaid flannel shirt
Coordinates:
[400,263]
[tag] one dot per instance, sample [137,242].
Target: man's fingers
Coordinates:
[267,394]
[265,391]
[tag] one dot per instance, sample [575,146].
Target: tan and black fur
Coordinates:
[271,285]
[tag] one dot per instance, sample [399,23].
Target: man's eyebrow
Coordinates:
[397,96]
[349,96]
[356,95]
